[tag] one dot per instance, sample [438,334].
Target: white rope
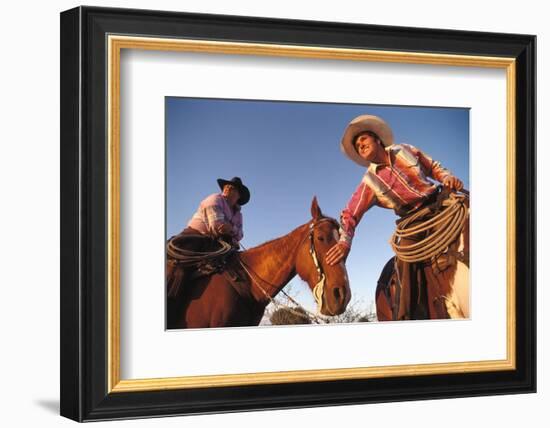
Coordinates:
[442,230]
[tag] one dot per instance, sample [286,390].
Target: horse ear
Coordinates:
[315,210]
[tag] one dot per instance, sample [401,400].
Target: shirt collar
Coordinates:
[235,209]
[373,166]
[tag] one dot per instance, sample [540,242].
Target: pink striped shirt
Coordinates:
[213,211]
[402,186]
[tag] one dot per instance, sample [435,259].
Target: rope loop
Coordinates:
[190,257]
[444,228]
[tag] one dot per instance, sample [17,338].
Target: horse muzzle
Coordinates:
[333,300]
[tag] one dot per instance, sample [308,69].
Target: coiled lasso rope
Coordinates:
[189,257]
[449,223]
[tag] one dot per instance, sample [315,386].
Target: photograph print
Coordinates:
[286,213]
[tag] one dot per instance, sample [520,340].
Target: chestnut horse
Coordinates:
[222,301]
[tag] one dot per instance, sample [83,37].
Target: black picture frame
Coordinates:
[84,169]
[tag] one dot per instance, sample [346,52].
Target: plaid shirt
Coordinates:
[213,211]
[402,186]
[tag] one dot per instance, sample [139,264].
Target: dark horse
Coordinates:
[222,301]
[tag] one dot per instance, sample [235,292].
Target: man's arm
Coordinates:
[435,170]
[238,228]
[219,226]
[360,202]
[215,217]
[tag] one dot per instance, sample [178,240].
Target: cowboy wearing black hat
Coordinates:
[219,215]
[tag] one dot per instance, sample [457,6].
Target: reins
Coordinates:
[254,277]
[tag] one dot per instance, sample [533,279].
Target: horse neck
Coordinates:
[273,264]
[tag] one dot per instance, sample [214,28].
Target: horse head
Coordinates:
[329,284]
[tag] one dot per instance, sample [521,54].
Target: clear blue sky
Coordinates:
[287,152]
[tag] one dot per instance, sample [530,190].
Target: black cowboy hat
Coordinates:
[243,190]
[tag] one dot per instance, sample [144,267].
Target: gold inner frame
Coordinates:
[117,43]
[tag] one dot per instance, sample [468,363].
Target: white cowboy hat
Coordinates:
[362,124]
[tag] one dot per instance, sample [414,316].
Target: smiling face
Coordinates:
[369,147]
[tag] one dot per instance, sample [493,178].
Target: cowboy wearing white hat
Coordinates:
[363,126]
[397,177]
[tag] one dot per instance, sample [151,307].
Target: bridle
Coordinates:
[318,290]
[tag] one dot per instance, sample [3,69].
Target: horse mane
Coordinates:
[280,244]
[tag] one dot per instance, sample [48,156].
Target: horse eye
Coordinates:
[320,238]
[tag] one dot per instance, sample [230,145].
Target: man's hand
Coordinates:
[224,229]
[453,183]
[337,253]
